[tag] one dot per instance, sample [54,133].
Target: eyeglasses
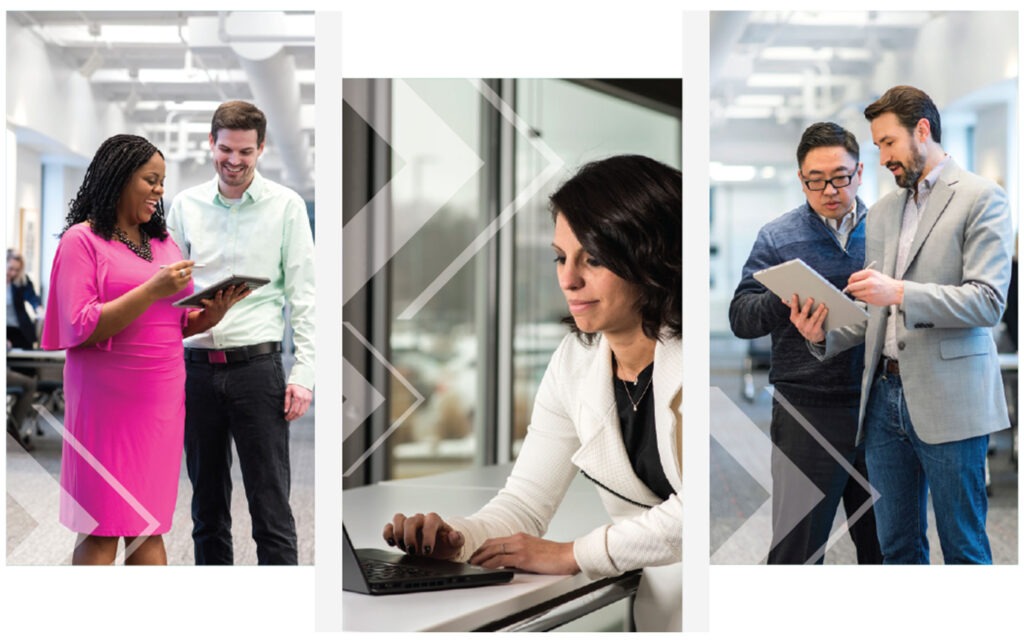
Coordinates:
[837,182]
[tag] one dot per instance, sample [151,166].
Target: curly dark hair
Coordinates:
[627,212]
[113,165]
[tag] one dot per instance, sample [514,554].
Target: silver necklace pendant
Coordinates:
[636,403]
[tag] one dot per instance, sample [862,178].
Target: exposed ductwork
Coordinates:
[276,93]
[258,39]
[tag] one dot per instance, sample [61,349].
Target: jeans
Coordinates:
[903,468]
[243,402]
[808,483]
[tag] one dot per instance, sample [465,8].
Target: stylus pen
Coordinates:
[870,266]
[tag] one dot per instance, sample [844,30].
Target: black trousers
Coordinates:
[243,402]
[808,483]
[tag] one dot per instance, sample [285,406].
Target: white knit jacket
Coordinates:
[575,427]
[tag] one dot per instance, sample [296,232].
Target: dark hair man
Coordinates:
[813,402]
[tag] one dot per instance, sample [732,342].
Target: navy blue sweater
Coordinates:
[755,311]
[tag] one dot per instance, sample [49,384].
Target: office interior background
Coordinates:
[75,78]
[772,74]
[451,306]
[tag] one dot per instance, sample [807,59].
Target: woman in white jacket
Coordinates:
[609,403]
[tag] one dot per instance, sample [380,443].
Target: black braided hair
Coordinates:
[113,165]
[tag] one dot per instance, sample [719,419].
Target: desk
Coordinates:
[48,367]
[513,606]
[36,359]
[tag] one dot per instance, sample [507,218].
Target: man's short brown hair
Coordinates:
[241,116]
[909,104]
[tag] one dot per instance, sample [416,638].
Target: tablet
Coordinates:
[796,277]
[209,292]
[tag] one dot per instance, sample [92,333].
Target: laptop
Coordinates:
[378,572]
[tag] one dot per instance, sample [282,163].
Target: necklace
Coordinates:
[144,251]
[636,402]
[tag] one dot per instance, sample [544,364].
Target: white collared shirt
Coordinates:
[264,233]
[912,210]
[842,227]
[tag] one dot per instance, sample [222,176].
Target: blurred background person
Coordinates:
[23,307]
[23,303]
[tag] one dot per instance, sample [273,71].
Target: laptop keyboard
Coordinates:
[378,571]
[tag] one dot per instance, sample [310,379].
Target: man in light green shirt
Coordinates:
[243,224]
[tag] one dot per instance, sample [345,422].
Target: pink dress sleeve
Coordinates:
[74,301]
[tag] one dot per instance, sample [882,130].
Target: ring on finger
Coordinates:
[503,551]
[181,273]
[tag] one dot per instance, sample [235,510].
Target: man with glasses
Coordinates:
[932,390]
[814,409]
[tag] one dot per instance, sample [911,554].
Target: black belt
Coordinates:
[237,354]
[889,366]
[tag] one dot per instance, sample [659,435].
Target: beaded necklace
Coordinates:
[144,251]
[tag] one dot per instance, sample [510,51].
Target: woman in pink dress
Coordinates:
[114,278]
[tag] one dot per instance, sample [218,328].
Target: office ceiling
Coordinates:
[774,72]
[777,65]
[168,71]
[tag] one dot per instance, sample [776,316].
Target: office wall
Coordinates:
[60,184]
[967,62]
[27,197]
[960,53]
[745,207]
[994,157]
[45,95]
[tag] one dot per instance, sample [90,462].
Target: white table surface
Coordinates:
[368,509]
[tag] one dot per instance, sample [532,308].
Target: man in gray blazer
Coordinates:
[931,390]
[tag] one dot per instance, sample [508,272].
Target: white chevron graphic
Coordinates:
[361,399]
[552,169]
[752,449]
[38,494]
[348,428]
[42,484]
[436,142]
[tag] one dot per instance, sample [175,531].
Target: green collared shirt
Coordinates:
[266,233]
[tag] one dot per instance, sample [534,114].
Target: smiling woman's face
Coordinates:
[599,300]
[141,193]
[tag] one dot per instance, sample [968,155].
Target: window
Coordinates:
[448,259]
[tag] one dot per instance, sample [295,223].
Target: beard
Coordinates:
[909,176]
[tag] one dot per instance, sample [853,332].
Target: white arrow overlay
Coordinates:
[37,486]
[753,451]
[359,398]
[552,169]
[445,148]
[435,144]
[362,386]
[38,494]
